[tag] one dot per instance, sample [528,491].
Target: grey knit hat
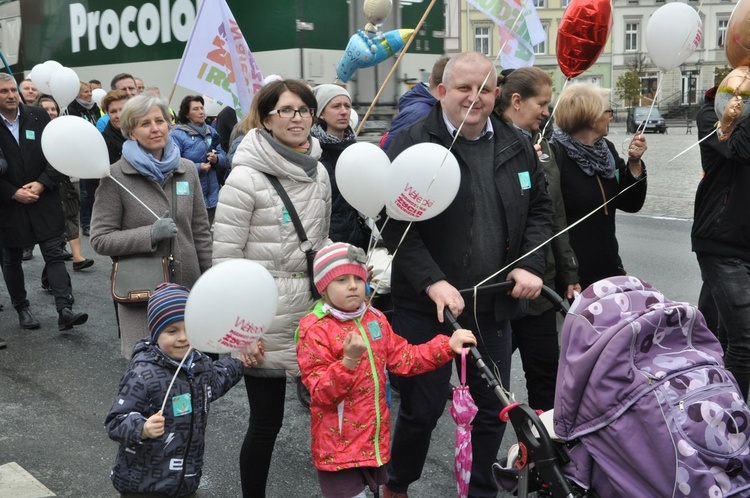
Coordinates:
[326,93]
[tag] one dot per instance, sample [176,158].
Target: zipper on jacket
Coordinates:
[190,437]
[376,381]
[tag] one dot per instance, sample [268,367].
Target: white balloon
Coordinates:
[422,182]
[361,175]
[97,94]
[353,119]
[74,147]
[230,306]
[211,106]
[64,86]
[41,74]
[672,34]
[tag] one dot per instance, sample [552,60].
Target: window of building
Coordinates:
[540,4]
[631,36]
[482,39]
[722,32]
[541,48]
[565,3]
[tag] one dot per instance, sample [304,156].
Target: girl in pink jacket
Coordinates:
[344,349]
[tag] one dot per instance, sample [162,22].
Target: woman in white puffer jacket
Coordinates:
[253,223]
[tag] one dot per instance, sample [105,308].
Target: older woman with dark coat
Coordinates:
[591,174]
[151,168]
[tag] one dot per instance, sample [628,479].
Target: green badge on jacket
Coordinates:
[181,405]
[30,135]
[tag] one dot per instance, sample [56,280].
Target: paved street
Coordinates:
[56,387]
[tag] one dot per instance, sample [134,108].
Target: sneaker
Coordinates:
[86,231]
[3,344]
[28,254]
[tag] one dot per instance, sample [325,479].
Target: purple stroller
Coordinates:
[644,401]
[643,407]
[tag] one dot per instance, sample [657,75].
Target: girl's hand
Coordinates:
[354,347]
[153,427]
[212,158]
[461,337]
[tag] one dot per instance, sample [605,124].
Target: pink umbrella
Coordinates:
[463,411]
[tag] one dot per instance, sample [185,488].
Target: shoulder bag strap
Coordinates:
[173,213]
[305,245]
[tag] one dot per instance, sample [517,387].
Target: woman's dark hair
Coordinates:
[267,98]
[525,81]
[182,115]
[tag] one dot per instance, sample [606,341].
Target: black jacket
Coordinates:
[23,225]
[114,140]
[594,240]
[439,248]
[721,223]
[91,115]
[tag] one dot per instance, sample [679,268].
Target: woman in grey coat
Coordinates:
[151,168]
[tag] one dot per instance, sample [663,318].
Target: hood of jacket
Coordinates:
[256,152]
[419,94]
[147,352]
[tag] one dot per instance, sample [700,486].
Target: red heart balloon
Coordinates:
[582,34]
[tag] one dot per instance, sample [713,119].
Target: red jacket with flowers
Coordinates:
[350,420]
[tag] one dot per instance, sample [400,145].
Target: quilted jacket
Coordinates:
[252,223]
[350,423]
[170,464]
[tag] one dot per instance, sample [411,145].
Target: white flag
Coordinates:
[519,28]
[217,61]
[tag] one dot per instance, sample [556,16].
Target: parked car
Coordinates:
[655,123]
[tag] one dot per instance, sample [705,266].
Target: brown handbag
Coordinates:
[135,277]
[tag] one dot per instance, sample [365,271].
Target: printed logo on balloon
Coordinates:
[422,182]
[230,306]
[732,103]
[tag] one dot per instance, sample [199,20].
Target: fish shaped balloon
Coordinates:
[366,50]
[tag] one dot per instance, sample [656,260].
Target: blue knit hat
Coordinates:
[166,306]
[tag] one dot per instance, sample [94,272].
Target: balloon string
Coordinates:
[552,115]
[501,270]
[659,81]
[695,144]
[166,396]
[134,196]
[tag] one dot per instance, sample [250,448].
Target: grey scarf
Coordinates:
[305,161]
[591,159]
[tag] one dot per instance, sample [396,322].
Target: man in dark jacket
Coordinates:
[501,212]
[417,102]
[30,209]
[721,234]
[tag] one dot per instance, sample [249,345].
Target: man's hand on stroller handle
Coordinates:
[528,285]
[445,295]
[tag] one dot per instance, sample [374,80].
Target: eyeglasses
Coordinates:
[610,111]
[288,112]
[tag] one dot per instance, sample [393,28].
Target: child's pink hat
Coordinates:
[338,259]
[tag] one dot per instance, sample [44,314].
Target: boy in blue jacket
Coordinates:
[162,453]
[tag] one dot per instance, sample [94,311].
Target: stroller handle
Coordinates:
[550,295]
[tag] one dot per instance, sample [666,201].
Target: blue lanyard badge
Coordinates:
[182,188]
[373,328]
[181,405]
[525,180]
